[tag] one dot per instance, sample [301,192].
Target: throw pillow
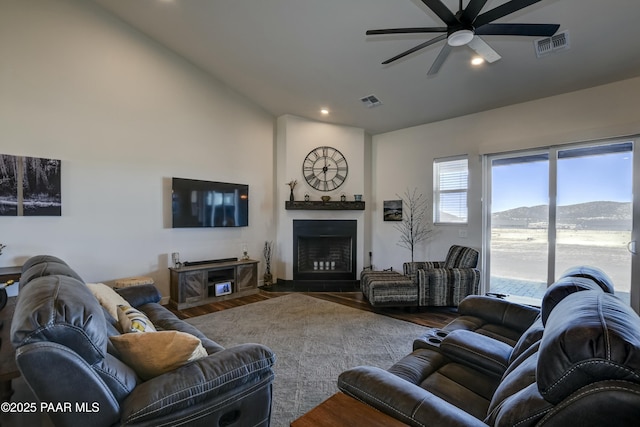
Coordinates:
[154,353]
[107,297]
[132,320]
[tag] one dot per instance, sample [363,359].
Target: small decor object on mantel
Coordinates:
[268,278]
[2,246]
[306,197]
[292,184]
[325,199]
[343,197]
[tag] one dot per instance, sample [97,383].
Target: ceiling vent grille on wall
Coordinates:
[552,44]
[371,101]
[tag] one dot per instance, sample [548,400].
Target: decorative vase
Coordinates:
[268,279]
[291,196]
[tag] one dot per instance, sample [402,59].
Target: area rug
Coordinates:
[314,341]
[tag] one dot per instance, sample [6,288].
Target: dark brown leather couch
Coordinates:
[577,363]
[61,335]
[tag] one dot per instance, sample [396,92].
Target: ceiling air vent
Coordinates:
[371,101]
[552,44]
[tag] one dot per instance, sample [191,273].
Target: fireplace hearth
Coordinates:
[324,250]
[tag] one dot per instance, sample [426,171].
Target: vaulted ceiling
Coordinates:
[298,56]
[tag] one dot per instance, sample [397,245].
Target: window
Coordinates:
[450,183]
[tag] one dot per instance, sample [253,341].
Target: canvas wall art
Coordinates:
[392,210]
[30,186]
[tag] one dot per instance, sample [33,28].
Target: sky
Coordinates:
[606,177]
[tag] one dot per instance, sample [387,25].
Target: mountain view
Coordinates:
[587,216]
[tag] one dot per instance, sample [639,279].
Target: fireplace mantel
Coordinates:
[325,206]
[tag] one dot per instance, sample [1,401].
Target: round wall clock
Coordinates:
[325,168]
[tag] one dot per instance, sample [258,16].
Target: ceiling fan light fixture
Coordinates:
[477,60]
[460,38]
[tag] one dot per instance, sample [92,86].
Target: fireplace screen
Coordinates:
[325,253]
[324,249]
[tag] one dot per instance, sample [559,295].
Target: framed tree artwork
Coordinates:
[30,186]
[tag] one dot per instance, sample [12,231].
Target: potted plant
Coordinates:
[268,277]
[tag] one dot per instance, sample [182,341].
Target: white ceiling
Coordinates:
[297,56]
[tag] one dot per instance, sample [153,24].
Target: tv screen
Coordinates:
[198,203]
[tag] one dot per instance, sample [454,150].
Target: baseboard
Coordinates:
[314,286]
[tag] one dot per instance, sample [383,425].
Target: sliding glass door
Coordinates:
[554,209]
[519,244]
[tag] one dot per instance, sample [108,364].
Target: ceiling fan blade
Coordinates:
[484,50]
[442,11]
[415,49]
[414,30]
[442,56]
[471,12]
[538,30]
[501,11]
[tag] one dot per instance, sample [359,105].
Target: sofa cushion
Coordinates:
[494,317]
[561,289]
[528,338]
[153,353]
[164,319]
[45,265]
[107,297]
[590,336]
[61,309]
[461,257]
[593,273]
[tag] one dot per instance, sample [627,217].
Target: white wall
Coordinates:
[124,115]
[296,138]
[404,159]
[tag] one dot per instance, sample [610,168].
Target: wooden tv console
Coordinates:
[196,284]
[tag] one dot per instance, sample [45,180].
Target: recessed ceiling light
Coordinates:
[477,60]
[324,111]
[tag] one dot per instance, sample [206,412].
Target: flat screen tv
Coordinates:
[198,203]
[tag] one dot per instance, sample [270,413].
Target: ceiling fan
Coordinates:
[464,27]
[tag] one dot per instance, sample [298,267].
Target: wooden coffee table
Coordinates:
[342,410]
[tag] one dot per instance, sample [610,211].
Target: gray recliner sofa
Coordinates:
[578,363]
[61,335]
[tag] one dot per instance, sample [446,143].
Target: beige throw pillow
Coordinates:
[153,353]
[107,297]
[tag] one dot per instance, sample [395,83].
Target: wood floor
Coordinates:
[434,317]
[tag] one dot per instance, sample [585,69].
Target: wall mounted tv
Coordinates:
[198,203]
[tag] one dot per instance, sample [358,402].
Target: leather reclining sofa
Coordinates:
[576,361]
[61,335]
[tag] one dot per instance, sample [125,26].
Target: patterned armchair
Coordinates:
[446,283]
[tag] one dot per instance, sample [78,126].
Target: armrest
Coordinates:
[411,268]
[499,311]
[200,384]
[402,400]
[140,294]
[478,351]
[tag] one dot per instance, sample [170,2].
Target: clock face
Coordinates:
[325,168]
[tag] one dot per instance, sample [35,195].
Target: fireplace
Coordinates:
[324,249]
